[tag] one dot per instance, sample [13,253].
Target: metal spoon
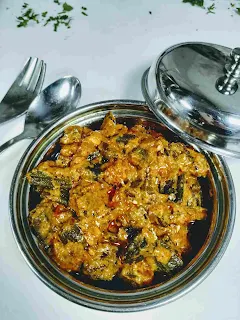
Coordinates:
[55,101]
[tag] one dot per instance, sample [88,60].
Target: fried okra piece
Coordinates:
[174,189]
[103,263]
[41,179]
[54,188]
[139,273]
[47,218]
[171,266]
[71,233]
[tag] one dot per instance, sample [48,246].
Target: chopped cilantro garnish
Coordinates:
[64,17]
[83,11]
[22,22]
[211,8]
[199,3]
[28,15]
[67,7]
[59,20]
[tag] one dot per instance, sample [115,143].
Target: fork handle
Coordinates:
[12,141]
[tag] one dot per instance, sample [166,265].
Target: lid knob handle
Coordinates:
[228,84]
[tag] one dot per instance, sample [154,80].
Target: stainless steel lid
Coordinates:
[194,89]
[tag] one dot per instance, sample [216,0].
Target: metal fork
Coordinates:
[23,90]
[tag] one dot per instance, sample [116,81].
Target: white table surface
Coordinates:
[108,51]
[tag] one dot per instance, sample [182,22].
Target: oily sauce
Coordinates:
[120,207]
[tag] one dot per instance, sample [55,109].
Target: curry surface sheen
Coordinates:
[118,202]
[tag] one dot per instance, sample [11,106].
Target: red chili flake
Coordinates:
[112,204]
[117,244]
[155,134]
[59,209]
[111,193]
[113,227]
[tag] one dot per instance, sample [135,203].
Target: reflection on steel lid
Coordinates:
[194,88]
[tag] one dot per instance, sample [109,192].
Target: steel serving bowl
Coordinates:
[211,251]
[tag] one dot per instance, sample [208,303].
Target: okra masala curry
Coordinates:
[117,202]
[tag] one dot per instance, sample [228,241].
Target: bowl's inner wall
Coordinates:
[198,231]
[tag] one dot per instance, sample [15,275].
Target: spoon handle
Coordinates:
[12,141]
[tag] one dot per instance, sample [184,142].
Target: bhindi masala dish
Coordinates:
[117,202]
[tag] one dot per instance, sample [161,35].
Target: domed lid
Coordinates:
[193,88]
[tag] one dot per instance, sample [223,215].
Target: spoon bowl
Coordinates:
[54,102]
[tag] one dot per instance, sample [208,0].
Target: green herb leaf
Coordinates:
[84,13]
[47,21]
[23,23]
[211,8]
[28,15]
[64,17]
[199,3]
[55,26]
[67,7]
[84,8]
[58,20]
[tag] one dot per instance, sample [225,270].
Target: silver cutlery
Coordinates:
[58,99]
[23,90]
